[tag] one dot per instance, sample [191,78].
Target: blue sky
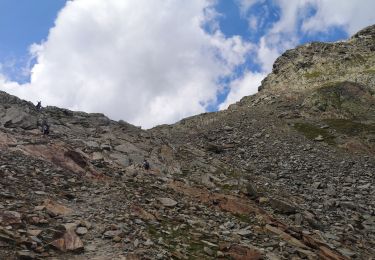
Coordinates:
[68,53]
[22,23]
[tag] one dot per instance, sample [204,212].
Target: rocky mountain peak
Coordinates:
[317,64]
[366,33]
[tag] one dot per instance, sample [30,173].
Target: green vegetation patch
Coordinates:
[312,75]
[347,97]
[350,127]
[311,132]
[173,238]
[245,218]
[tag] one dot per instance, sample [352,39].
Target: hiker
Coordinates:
[45,128]
[39,106]
[146,165]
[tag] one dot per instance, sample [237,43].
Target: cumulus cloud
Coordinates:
[351,15]
[147,62]
[244,86]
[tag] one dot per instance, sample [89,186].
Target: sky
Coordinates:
[156,62]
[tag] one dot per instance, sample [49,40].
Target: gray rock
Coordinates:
[26,255]
[19,117]
[208,251]
[283,206]
[251,191]
[81,231]
[112,233]
[167,202]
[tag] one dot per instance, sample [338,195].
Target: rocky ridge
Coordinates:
[285,174]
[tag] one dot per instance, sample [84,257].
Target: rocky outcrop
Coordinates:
[317,64]
[17,113]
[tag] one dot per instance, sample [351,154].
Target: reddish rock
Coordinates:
[10,218]
[56,209]
[68,242]
[243,253]
[142,214]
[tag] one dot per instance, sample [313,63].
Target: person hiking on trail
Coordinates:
[39,105]
[146,165]
[45,128]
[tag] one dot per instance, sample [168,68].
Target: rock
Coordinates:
[112,233]
[106,147]
[39,208]
[81,231]
[316,185]
[348,205]
[141,213]
[26,255]
[85,223]
[263,200]
[167,202]
[369,224]
[282,206]
[77,157]
[90,248]
[68,242]
[97,156]
[319,138]
[288,238]
[244,232]
[211,147]
[364,186]
[251,191]
[70,226]
[91,144]
[238,252]
[347,252]
[56,209]
[116,239]
[272,256]
[136,243]
[34,232]
[148,242]
[18,117]
[207,181]
[128,148]
[208,251]
[10,218]
[40,192]
[228,128]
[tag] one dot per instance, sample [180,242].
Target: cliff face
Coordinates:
[318,64]
[286,173]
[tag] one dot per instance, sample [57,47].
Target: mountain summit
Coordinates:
[287,173]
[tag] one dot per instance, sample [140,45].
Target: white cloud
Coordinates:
[352,15]
[147,62]
[245,5]
[247,85]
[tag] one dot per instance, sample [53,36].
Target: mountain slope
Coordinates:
[287,173]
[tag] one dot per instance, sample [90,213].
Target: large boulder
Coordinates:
[15,116]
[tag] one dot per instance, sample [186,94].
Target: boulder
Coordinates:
[16,116]
[10,218]
[283,206]
[56,209]
[167,202]
[68,242]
